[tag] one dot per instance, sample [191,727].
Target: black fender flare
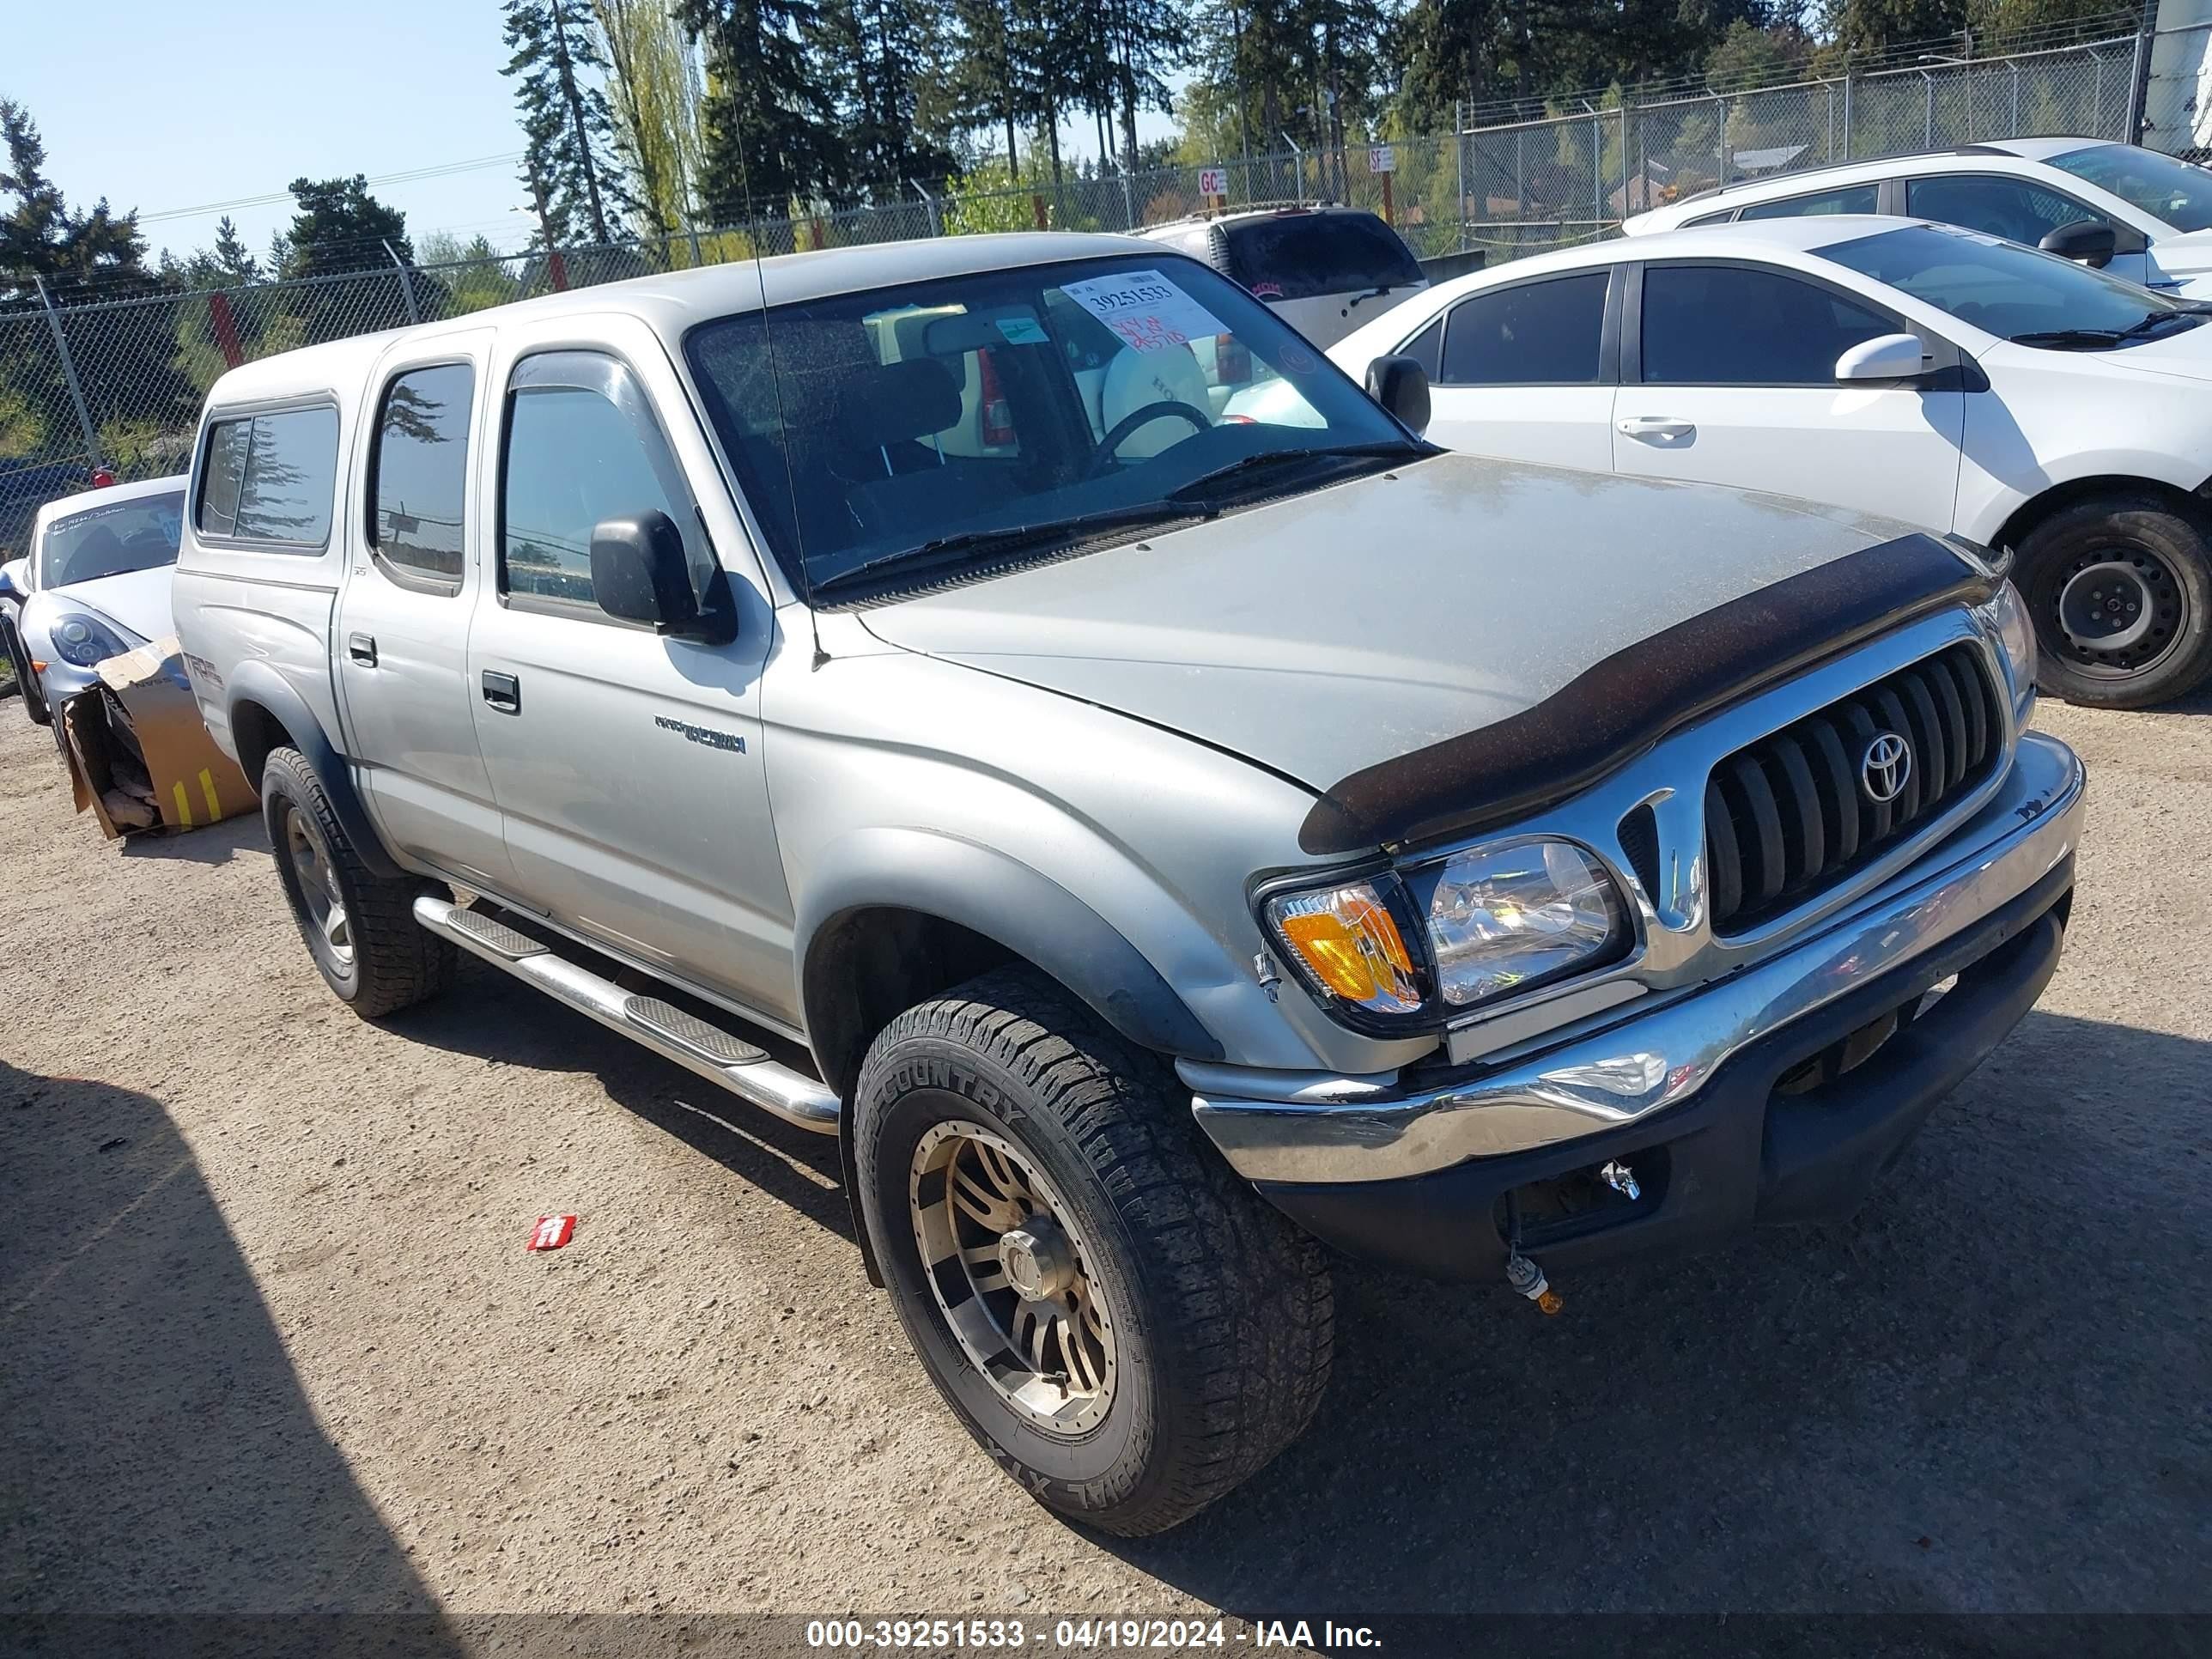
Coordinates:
[1004,900]
[259,683]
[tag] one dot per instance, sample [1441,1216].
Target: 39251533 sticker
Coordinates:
[1146,310]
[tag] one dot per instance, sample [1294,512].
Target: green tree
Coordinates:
[340,227]
[568,129]
[771,126]
[884,60]
[41,236]
[655,95]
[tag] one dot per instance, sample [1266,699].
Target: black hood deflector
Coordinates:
[1621,707]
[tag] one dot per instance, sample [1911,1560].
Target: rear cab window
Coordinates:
[418,474]
[1301,256]
[268,479]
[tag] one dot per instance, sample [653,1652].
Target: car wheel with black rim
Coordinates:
[19,660]
[2120,591]
[360,927]
[1120,1322]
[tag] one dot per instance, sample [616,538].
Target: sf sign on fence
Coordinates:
[1213,181]
[1382,158]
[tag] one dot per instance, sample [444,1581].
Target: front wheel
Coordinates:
[1114,1317]
[359,926]
[19,661]
[2120,590]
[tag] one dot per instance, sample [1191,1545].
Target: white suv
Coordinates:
[2129,210]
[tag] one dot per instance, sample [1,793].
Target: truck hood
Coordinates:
[139,599]
[1325,633]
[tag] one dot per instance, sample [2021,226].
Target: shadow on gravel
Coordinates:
[158,1455]
[1983,1392]
[496,1018]
[216,843]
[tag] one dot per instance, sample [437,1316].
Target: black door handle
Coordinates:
[362,647]
[504,692]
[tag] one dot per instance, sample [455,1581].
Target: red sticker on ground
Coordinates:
[552,1231]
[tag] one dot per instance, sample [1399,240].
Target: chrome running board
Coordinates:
[720,1056]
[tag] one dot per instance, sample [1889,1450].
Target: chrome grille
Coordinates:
[1789,816]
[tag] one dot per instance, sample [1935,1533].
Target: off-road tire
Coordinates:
[1223,1315]
[19,660]
[2175,553]
[396,961]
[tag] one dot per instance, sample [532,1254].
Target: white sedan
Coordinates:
[1919,371]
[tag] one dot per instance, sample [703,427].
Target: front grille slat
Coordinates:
[1767,868]
[1724,865]
[1793,813]
[1805,837]
[1928,731]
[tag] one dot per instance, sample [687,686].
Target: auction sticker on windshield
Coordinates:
[1147,311]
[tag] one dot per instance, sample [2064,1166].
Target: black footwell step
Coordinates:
[665,1019]
[487,930]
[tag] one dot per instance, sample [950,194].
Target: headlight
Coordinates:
[2005,616]
[1347,942]
[1473,928]
[85,641]
[1507,918]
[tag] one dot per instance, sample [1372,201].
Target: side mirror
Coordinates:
[1401,386]
[12,576]
[640,574]
[1885,357]
[2090,240]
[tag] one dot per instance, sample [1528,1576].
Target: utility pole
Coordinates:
[556,269]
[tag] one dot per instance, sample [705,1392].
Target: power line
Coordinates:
[413,175]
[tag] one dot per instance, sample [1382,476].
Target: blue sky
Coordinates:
[162,106]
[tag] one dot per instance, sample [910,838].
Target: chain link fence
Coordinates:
[117,384]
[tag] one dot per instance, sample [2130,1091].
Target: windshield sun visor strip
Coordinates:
[1621,706]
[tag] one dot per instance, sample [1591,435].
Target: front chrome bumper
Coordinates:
[1651,1057]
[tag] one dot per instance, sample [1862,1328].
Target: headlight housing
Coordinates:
[2005,616]
[84,640]
[1446,937]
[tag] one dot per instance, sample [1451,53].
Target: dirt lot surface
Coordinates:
[269,1339]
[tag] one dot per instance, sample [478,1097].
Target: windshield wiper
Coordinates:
[1273,458]
[2090,339]
[2152,320]
[967,544]
[2068,337]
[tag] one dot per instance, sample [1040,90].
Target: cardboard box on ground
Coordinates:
[138,755]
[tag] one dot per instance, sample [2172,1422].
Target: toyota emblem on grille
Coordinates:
[1885,767]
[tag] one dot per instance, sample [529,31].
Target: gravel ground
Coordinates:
[270,1341]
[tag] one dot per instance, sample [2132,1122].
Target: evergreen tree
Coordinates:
[340,227]
[885,60]
[1144,40]
[567,130]
[771,126]
[227,264]
[985,78]
[41,236]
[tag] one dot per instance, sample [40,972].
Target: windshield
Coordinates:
[1301,256]
[2000,286]
[2172,190]
[109,540]
[972,410]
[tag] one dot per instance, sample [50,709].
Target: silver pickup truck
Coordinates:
[909,688]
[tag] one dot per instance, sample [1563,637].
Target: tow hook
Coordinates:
[1526,1276]
[1622,1179]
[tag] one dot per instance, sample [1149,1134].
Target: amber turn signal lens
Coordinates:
[1350,942]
